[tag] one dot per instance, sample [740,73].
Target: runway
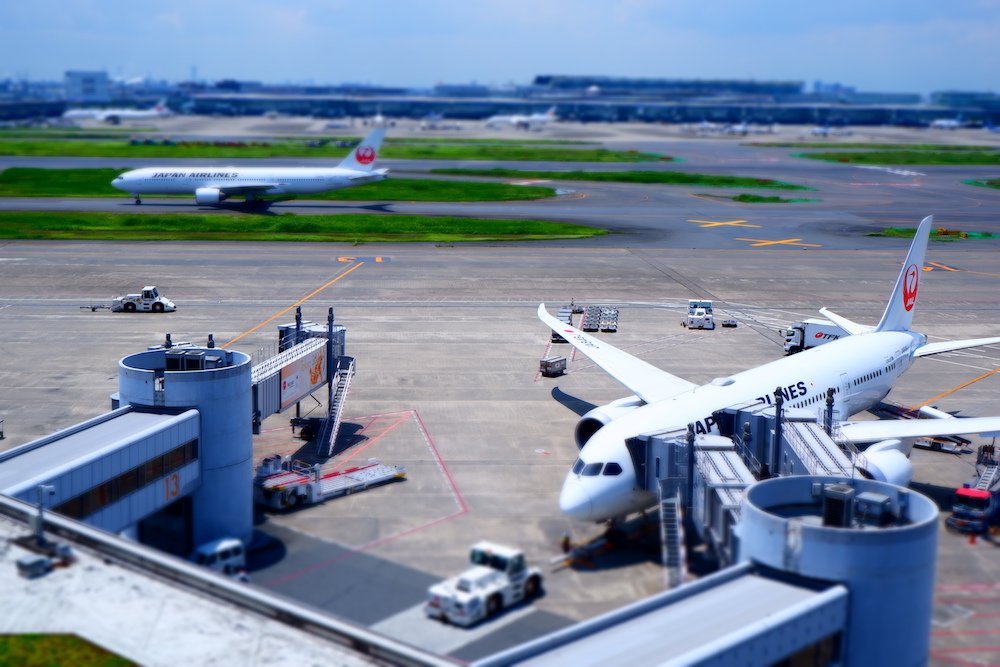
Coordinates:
[854,200]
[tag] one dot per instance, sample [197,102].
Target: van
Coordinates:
[226,555]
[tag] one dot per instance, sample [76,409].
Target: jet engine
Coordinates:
[886,461]
[209,195]
[593,421]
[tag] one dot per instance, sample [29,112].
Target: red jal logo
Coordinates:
[365,155]
[910,281]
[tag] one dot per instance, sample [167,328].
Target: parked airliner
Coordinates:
[211,185]
[116,116]
[861,367]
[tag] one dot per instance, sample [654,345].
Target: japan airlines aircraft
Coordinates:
[211,185]
[861,368]
[116,116]
[523,122]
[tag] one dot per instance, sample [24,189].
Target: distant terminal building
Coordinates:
[88,87]
[676,89]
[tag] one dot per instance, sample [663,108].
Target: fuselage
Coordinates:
[279,181]
[861,369]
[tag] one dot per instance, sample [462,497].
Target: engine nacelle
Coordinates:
[887,462]
[209,196]
[593,421]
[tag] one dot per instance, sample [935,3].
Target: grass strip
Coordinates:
[236,149]
[351,228]
[33,182]
[992,183]
[863,146]
[939,234]
[660,177]
[908,157]
[757,199]
[39,649]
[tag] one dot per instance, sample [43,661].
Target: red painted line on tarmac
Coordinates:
[967,600]
[937,654]
[370,442]
[463,509]
[978,586]
[949,633]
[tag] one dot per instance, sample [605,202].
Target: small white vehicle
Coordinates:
[226,556]
[700,315]
[149,301]
[499,578]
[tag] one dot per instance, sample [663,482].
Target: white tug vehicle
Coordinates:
[148,301]
[500,577]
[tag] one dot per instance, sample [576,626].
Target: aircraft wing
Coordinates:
[645,380]
[948,346]
[368,174]
[884,429]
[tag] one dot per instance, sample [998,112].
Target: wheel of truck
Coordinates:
[129,307]
[157,307]
[532,587]
[493,606]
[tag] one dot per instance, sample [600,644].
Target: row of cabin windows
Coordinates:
[866,378]
[594,469]
[113,490]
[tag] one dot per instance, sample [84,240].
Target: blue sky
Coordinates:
[874,45]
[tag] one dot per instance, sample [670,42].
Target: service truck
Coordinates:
[974,506]
[699,315]
[148,301]
[499,578]
[810,333]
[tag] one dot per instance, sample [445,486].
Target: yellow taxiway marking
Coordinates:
[961,386]
[297,303]
[728,223]
[934,265]
[759,242]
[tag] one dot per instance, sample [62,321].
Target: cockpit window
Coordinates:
[612,469]
[578,466]
[592,469]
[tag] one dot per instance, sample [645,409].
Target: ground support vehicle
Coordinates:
[226,556]
[699,315]
[499,578]
[975,505]
[810,333]
[148,301]
[282,483]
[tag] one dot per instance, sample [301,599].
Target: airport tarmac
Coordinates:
[448,345]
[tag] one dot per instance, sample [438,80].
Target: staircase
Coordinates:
[327,439]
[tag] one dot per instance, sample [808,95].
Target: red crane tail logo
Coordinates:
[911,280]
[365,155]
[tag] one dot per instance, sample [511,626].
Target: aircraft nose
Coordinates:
[574,501]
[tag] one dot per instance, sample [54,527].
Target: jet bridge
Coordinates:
[306,357]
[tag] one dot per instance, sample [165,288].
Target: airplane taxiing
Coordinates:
[861,368]
[211,185]
[116,116]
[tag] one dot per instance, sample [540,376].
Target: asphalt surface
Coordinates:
[448,345]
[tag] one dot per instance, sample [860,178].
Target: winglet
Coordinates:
[362,158]
[898,314]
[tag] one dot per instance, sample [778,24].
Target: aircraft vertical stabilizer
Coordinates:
[898,314]
[362,158]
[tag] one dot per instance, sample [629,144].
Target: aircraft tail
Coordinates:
[362,158]
[898,315]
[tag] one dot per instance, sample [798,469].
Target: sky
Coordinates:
[873,45]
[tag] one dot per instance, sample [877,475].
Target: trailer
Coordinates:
[282,483]
[810,333]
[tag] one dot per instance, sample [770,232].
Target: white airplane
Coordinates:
[947,123]
[522,122]
[116,116]
[211,185]
[861,368]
